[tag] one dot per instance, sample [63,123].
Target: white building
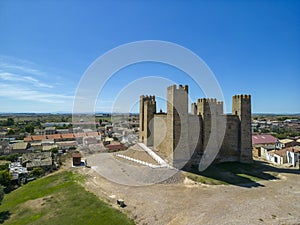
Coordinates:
[293,155]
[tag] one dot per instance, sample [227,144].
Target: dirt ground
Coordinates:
[187,202]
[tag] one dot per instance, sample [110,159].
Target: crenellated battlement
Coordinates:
[180,87]
[150,98]
[209,100]
[241,96]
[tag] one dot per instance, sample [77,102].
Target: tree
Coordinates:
[5,178]
[29,129]
[11,132]
[12,157]
[10,122]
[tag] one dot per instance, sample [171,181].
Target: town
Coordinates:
[34,145]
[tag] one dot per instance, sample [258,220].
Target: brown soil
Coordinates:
[187,202]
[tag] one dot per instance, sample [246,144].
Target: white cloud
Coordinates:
[18,78]
[7,66]
[21,93]
[19,65]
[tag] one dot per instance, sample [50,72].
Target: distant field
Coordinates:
[57,199]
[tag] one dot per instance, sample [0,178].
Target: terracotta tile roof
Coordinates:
[295,149]
[92,134]
[76,155]
[116,147]
[281,152]
[263,139]
[54,136]
[80,135]
[38,137]
[69,135]
[27,139]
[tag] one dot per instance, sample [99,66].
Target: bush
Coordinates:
[54,150]
[36,172]
[5,178]
[12,157]
[4,166]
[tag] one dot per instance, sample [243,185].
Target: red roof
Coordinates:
[54,136]
[69,135]
[92,134]
[116,147]
[295,149]
[27,139]
[38,137]
[80,135]
[76,155]
[281,152]
[263,139]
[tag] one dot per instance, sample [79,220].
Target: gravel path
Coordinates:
[137,153]
[122,172]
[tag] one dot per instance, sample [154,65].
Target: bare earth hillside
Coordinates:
[187,202]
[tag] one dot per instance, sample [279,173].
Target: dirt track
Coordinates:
[272,202]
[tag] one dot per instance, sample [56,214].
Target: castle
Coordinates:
[184,139]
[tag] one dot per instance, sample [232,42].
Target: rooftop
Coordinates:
[76,155]
[263,139]
[286,141]
[38,137]
[20,145]
[281,152]
[295,149]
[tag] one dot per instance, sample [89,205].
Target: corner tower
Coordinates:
[147,111]
[241,106]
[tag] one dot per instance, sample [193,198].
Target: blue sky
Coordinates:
[252,47]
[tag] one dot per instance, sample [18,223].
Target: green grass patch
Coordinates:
[58,199]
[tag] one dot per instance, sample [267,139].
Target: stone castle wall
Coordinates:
[181,137]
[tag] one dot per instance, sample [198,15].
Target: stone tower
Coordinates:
[241,106]
[177,124]
[194,108]
[209,110]
[147,111]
